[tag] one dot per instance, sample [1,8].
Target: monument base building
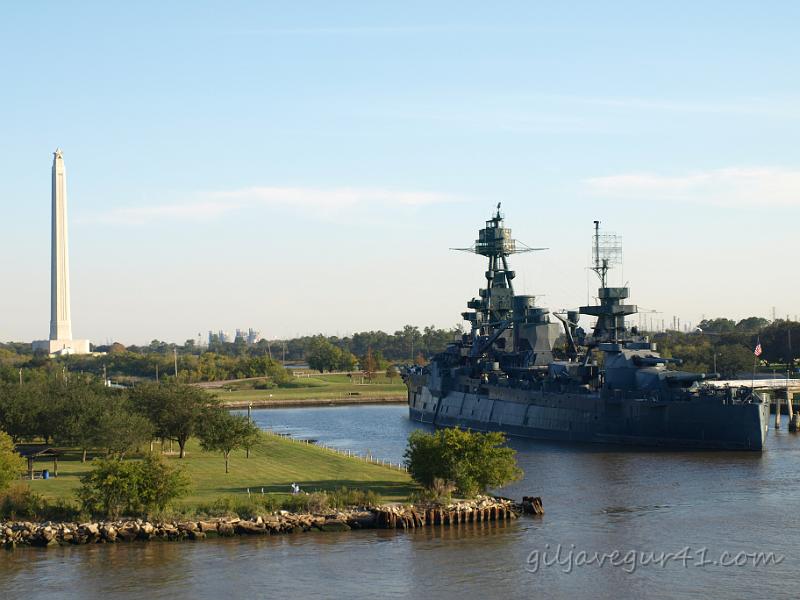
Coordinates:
[61,347]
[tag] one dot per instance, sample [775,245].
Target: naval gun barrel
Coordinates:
[478,349]
[572,347]
[650,361]
[674,377]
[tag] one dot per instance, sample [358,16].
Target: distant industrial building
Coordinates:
[249,336]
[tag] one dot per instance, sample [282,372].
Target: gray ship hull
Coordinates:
[695,424]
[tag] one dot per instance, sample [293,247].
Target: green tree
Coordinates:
[380,362]
[751,324]
[220,431]
[410,340]
[473,462]
[780,342]
[733,359]
[120,430]
[719,325]
[322,355]
[173,408]
[18,411]
[347,361]
[11,463]
[82,417]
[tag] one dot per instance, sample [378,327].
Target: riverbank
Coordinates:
[300,402]
[275,463]
[49,534]
[313,390]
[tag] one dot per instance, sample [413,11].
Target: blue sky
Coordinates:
[304,167]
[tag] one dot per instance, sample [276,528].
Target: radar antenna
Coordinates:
[606,253]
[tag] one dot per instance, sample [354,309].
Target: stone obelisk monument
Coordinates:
[60,341]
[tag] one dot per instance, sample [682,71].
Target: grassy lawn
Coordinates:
[274,465]
[319,387]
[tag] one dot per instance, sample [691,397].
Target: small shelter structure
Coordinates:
[31,452]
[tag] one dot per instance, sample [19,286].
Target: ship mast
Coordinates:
[611,313]
[606,252]
[496,300]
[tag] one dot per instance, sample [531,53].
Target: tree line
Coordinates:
[728,346]
[189,363]
[78,412]
[720,342]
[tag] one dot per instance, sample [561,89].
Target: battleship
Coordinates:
[520,372]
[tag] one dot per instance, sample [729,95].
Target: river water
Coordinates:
[681,511]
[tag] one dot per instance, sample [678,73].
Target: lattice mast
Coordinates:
[606,253]
[496,300]
[610,313]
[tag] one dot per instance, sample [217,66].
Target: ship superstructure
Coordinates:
[610,385]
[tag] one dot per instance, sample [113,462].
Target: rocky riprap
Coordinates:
[24,533]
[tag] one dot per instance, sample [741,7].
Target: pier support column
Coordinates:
[777,411]
[794,422]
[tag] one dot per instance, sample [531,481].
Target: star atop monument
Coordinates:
[58,153]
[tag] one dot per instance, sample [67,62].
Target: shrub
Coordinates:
[346,497]
[315,502]
[115,487]
[245,508]
[302,503]
[11,463]
[22,503]
[440,492]
[473,462]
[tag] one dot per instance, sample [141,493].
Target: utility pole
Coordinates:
[20,376]
[175,357]
[156,372]
[250,419]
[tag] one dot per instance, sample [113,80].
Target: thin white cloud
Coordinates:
[752,106]
[335,198]
[314,202]
[730,187]
[382,30]
[137,215]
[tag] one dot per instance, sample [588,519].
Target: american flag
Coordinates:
[757,351]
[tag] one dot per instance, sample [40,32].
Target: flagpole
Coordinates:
[756,354]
